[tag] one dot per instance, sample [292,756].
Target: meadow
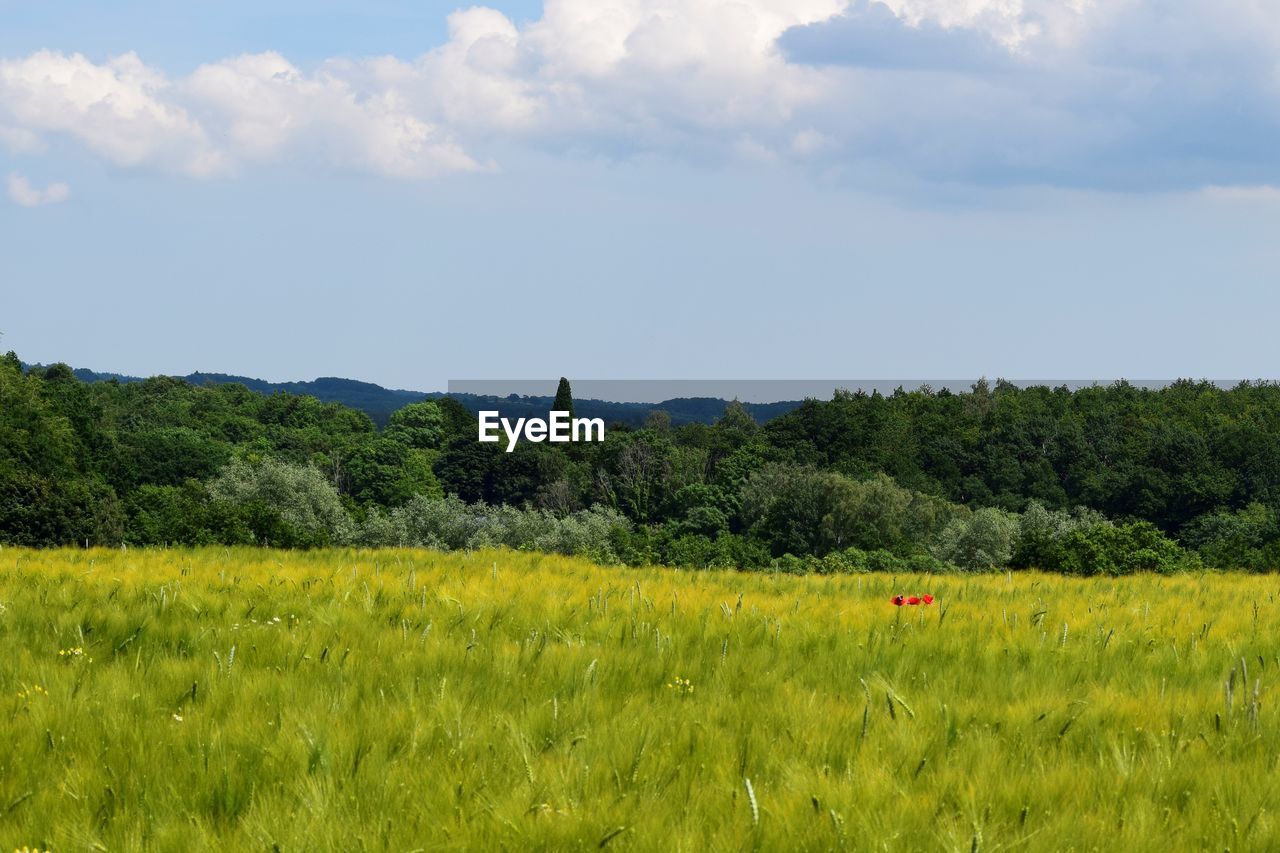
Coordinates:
[241,699]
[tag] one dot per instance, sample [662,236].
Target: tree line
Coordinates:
[1096,480]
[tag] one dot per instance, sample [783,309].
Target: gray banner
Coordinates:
[753,390]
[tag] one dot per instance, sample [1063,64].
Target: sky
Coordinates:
[413,192]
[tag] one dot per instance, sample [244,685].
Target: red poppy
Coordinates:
[898,600]
[928,599]
[913,600]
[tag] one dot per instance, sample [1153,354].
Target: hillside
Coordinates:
[379,403]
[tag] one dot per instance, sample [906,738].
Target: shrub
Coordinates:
[926,564]
[1112,549]
[790,564]
[1245,539]
[186,515]
[982,541]
[307,506]
[881,560]
[802,510]
[451,524]
[1041,533]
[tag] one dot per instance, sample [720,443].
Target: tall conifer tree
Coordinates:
[564,398]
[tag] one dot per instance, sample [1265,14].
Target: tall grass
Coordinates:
[400,700]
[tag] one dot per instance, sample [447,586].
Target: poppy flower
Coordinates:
[899,600]
[928,599]
[913,600]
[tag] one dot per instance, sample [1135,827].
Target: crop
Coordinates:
[398,700]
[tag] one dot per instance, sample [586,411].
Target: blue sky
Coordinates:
[407,193]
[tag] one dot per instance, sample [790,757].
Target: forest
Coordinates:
[1099,480]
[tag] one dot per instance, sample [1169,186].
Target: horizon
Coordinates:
[652,391]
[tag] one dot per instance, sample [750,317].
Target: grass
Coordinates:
[401,700]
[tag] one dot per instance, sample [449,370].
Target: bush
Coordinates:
[881,560]
[926,564]
[306,507]
[187,515]
[704,520]
[1246,539]
[803,510]
[790,564]
[1110,549]
[38,511]
[1041,533]
[984,540]
[855,559]
[451,524]
[690,551]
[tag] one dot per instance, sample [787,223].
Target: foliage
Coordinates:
[984,540]
[187,515]
[452,524]
[563,401]
[1120,549]
[420,426]
[909,474]
[1247,538]
[306,503]
[1042,532]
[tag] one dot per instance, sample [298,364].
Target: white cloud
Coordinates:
[20,140]
[1123,94]
[264,106]
[628,73]
[1117,93]
[119,109]
[22,193]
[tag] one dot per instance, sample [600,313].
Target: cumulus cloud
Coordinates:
[264,106]
[21,192]
[1125,94]
[120,109]
[634,74]
[1130,94]
[870,34]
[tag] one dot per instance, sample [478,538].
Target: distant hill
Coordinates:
[379,402]
[376,401]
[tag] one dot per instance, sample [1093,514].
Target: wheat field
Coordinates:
[411,700]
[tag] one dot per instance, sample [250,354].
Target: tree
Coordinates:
[298,495]
[465,468]
[659,420]
[418,425]
[458,420]
[386,472]
[564,398]
[737,418]
[985,540]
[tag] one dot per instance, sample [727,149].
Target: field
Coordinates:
[401,700]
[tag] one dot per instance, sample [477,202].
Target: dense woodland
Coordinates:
[1098,480]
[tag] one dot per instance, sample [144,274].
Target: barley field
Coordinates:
[410,700]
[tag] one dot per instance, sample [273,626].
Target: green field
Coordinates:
[401,700]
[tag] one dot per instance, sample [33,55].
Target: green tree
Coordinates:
[564,398]
[384,471]
[299,495]
[418,425]
[985,540]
